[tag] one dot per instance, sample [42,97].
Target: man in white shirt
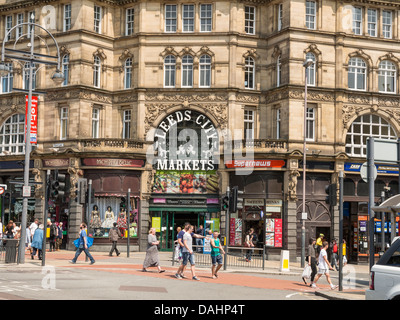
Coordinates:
[323,266]
[33,227]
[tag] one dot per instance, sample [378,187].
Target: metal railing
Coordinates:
[236,257]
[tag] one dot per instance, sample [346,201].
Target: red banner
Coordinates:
[34,120]
[278,233]
[255,164]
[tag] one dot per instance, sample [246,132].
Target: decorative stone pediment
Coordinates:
[169,51]
[100,53]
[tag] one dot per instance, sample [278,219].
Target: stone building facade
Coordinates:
[132,64]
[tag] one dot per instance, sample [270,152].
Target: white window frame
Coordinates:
[128,73]
[311,70]
[187,71]
[126,124]
[67,17]
[169,71]
[65,69]
[364,126]
[95,123]
[387,24]
[357,66]
[311,14]
[387,73]
[249,124]
[171,17]
[188,15]
[205,71]
[278,71]
[64,114]
[278,123]
[206,12]
[96,71]
[129,21]
[8,25]
[250,70]
[12,135]
[250,20]
[372,22]
[97,18]
[7,81]
[19,31]
[357,20]
[31,18]
[280,16]
[310,124]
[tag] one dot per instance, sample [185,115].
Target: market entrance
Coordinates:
[169,221]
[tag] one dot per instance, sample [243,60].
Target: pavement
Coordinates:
[134,262]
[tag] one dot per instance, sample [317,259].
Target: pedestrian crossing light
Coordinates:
[58,186]
[225,203]
[330,190]
[236,200]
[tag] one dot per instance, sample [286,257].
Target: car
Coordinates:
[384,283]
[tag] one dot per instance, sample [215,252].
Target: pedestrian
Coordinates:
[83,245]
[114,235]
[199,242]
[319,243]
[182,267]
[249,242]
[37,242]
[9,230]
[335,256]
[312,260]
[59,237]
[216,257]
[323,266]
[151,259]
[28,240]
[34,225]
[187,251]
[53,234]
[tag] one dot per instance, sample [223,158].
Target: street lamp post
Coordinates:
[306,65]
[31,58]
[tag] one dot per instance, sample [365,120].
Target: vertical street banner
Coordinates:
[34,110]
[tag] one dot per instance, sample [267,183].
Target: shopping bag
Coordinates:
[89,242]
[177,254]
[306,272]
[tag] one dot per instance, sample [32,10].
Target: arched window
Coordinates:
[65,69]
[12,134]
[311,79]
[249,73]
[128,73]
[96,71]
[169,71]
[357,74]
[205,71]
[187,71]
[387,77]
[363,127]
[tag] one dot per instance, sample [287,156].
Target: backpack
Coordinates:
[53,230]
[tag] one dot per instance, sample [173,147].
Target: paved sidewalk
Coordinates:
[61,258]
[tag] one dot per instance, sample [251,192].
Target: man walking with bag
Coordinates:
[114,235]
[83,245]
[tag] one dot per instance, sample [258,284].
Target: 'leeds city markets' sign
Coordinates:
[186,140]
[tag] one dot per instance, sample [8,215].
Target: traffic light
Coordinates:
[58,186]
[75,194]
[330,190]
[123,203]
[225,203]
[236,200]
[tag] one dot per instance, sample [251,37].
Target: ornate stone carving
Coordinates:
[39,188]
[348,112]
[291,194]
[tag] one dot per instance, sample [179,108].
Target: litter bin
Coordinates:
[11,250]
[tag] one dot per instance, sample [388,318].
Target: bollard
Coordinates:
[284,264]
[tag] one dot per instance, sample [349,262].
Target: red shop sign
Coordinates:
[34,110]
[255,164]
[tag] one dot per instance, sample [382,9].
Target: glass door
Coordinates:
[167,231]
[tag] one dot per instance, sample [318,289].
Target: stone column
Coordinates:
[74,221]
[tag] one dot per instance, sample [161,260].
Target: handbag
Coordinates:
[306,272]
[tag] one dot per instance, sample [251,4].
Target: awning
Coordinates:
[390,205]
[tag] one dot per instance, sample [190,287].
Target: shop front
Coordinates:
[186,180]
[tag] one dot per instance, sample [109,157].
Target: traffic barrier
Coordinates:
[284,263]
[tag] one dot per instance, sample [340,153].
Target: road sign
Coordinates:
[385,150]
[364,172]
[26,191]
[4,186]
[2,190]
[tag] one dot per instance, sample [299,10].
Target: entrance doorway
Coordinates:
[170,221]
